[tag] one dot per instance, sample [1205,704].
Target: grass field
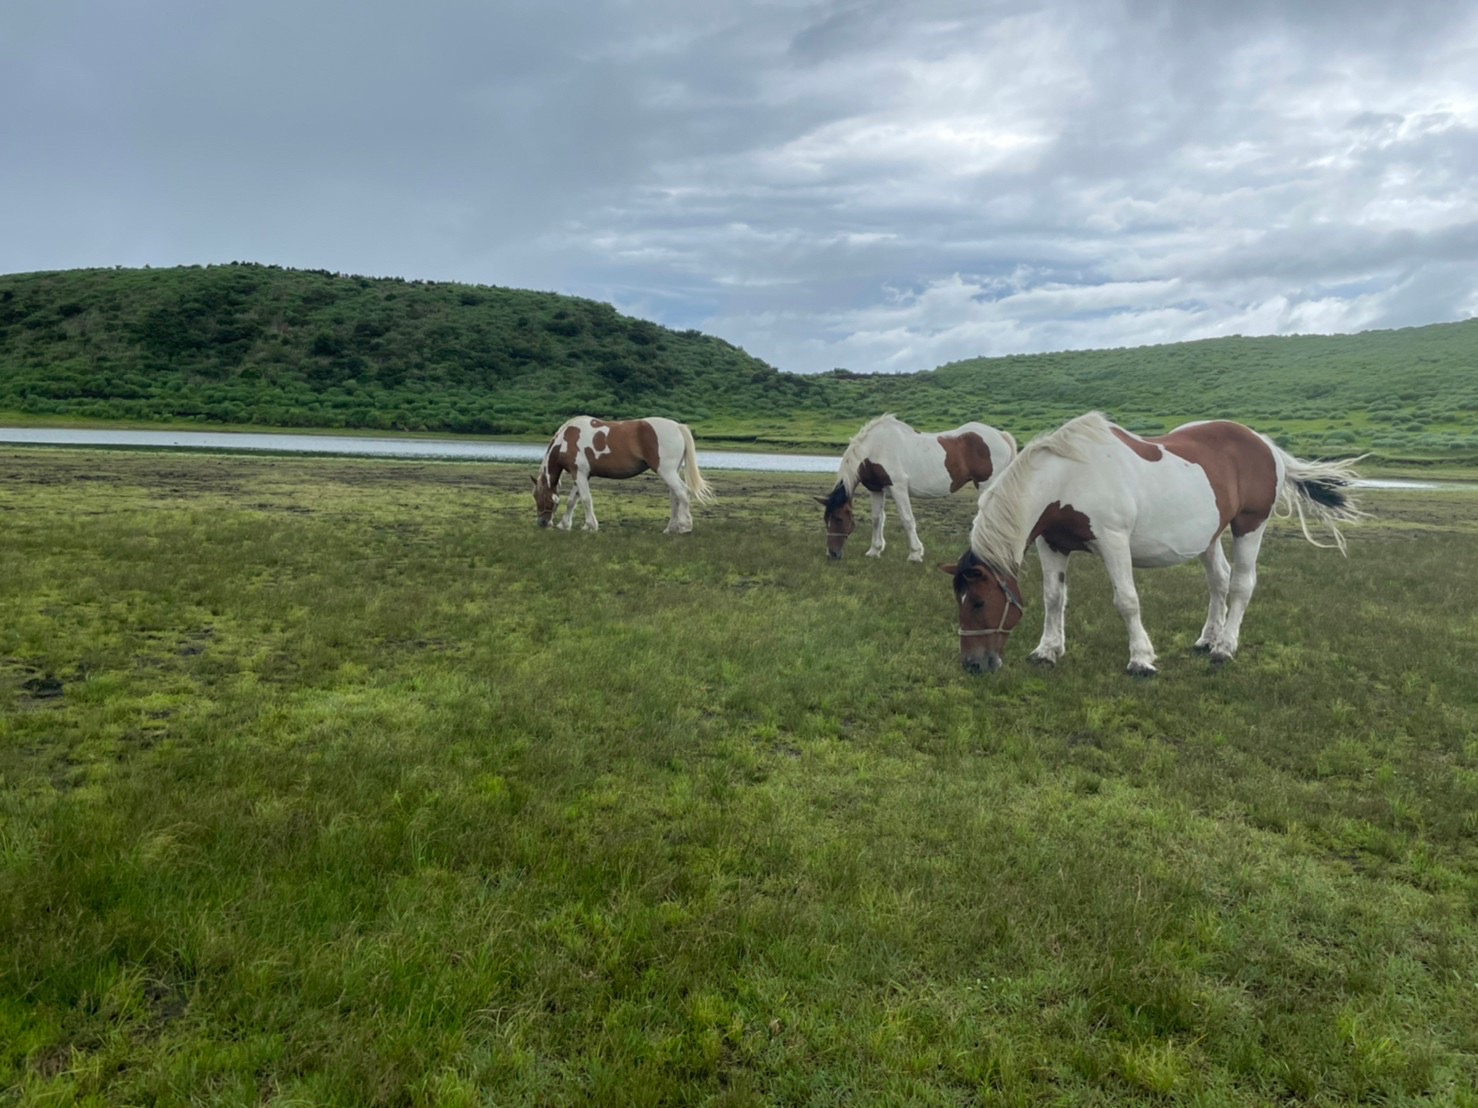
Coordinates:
[333,781]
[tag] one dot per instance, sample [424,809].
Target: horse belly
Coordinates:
[930,482]
[618,468]
[1176,520]
[920,462]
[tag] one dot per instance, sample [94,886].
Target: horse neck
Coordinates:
[1009,511]
[878,442]
[552,473]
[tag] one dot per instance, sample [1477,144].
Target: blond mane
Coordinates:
[852,458]
[1003,524]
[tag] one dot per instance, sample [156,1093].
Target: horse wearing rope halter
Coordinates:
[1136,503]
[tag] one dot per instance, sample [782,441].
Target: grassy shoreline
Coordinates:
[336,780]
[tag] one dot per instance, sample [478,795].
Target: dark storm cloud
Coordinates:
[872,184]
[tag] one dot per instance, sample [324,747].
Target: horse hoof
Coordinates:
[873,554]
[1140,669]
[1219,658]
[1042,659]
[1202,648]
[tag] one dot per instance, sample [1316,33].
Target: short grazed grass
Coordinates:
[340,782]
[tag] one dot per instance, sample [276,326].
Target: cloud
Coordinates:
[867,183]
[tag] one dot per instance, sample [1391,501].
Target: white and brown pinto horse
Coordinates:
[585,447]
[888,457]
[1135,502]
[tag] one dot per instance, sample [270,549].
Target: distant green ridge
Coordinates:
[253,344]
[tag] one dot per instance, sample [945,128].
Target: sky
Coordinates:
[877,185]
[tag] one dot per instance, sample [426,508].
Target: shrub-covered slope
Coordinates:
[245,343]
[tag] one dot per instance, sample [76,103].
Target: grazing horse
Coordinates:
[1147,502]
[889,457]
[586,447]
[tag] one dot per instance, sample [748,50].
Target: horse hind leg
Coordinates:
[1245,549]
[1218,579]
[681,521]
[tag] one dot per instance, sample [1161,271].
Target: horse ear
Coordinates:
[534,479]
[948,567]
[821,500]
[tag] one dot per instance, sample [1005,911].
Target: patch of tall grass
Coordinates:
[341,782]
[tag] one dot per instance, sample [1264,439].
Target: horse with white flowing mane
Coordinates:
[888,457]
[585,447]
[1135,502]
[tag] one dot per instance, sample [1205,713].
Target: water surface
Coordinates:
[465,449]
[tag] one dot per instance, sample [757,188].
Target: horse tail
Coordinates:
[702,491]
[1321,489]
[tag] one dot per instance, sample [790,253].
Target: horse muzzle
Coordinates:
[976,664]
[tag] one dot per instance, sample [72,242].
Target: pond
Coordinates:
[461,449]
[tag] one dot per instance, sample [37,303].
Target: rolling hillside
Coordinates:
[253,344]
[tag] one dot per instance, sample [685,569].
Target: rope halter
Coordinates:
[1000,628]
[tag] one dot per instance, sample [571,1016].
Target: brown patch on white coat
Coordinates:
[967,459]
[1156,502]
[838,516]
[586,447]
[889,458]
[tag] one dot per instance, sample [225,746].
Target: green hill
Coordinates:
[253,344]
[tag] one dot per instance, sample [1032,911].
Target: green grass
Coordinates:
[340,782]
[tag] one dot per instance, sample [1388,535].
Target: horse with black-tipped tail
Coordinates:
[1136,503]
[586,447]
[887,457]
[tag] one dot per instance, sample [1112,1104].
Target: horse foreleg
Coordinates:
[1245,549]
[878,542]
[1114,550]
[905,513]
[1054,605]
[1218,577]
[574,499]
[582,487]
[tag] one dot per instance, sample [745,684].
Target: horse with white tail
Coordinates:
[1135,502]
[586,447]
[888,457]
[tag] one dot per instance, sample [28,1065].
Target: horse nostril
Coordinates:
[834,555]
[973,666]
[993,662]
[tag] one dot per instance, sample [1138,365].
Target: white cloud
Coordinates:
[825,182]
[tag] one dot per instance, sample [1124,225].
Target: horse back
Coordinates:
[968,456]
[1240,466]
[608,448]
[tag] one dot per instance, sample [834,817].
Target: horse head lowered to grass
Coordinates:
[586,447]
[1136,503]
[888,457]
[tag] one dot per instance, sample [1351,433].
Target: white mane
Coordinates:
[1002,526]
[853,456]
